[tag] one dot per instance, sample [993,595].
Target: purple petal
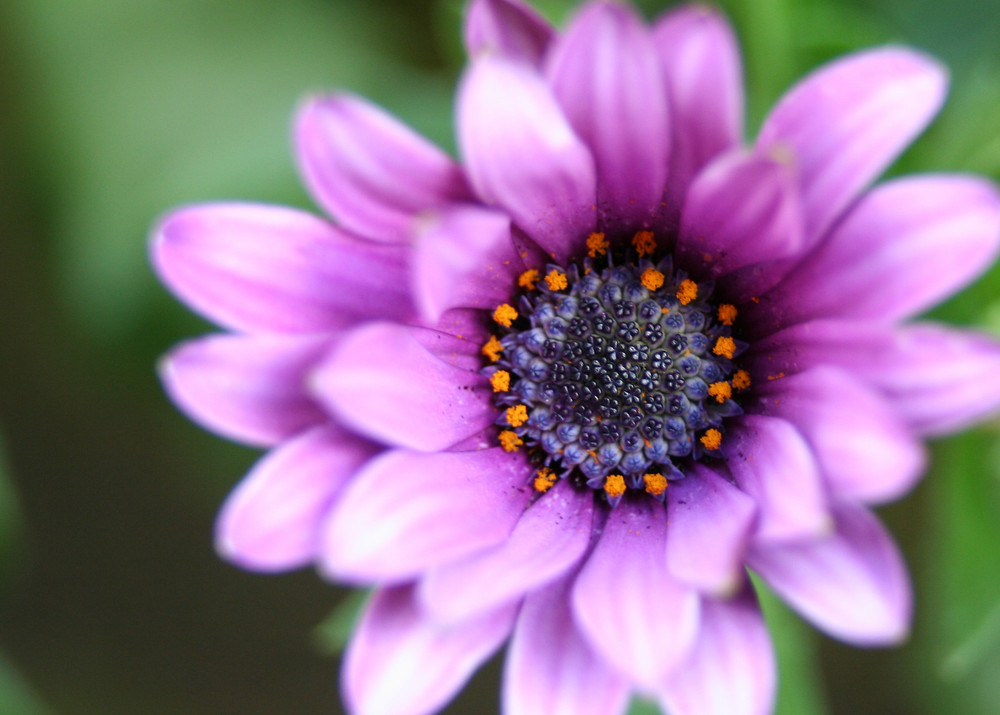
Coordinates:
[846,122]
[370,171]
[704,78]
[920,239]
[732,670]
[741,210]
[399,662]
[772,463]
[551,670]
[865,452]
[509,27]
[407,512]
[549,539]
[464,257]
[626,603]
[852,584]
[247,388]
[382,382]
[605,73]
[272,520]
[261,268]
[522,154]
[710,522]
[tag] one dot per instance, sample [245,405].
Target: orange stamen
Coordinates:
[509,440]
[727,314]
[741,380]
[500,380]
[656,484]
[721,391]
[528,279]
[644,243]
[725,346]
[712,439]
[596,245]
[517,415]
[651,278]
[614,485]
[556,280]
[687,291]
[492,348]
[505,314]
[544,480]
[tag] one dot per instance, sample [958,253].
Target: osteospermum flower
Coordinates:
[568,391]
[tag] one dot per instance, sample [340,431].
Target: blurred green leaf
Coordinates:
[643,707]
[331,636]
[16,697]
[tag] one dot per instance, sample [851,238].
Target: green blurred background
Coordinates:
[111,111]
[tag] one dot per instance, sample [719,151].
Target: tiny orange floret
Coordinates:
[517,415]
[556,280]
[544,480]
[505,314]
[614,485]
[528,279]
[725,346]
[500,380]
[727,313]
[509,440]
[721,391]
[656,484]
[741,380]
[712,439]
[492,349]
[644,243]
[687,291]
[652,278]
[596,245]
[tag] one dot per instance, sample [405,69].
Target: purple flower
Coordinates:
[567,392]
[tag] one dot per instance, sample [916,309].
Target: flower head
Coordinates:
[566,392]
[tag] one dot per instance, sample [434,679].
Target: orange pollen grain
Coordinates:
[492,348]
[741,380]
[517,415]
[721,391]
[644,243]
[614,485]
[556,280]
[528,279]
[651,278]
[687,291]
[505,314]
[727,314]
[725,346]
[500,380]
[776,377]
[656,484]
[509,440]
[596,245]
[712,439]
[544,480]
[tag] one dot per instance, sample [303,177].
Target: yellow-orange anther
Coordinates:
[721,391]
[651,278]
[712,439]
[528,279]
[596,245]
[614,485]
[644,243]
[727,314]
[492,348]
[500,380]
[725,346]
[544,480]
[656,484]
[741,380]
[509,440]
[687,291]
[517,415]
[556,280]
[505,314]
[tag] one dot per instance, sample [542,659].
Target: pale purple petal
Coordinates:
[710,522]
[247,388]
[509,27]
[381,381]
[272,520]
[852,584]
[846,122]
[732,670]
[550,668]
[625,602]
[464,256]
[254,268]
[370,171]
[549,539]
[772,463]
[904,247]
[741,210]
[407,512]
[865,451]
[704,78]
[605,72]
[523,156]
[400,662]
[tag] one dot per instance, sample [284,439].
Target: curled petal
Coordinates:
[509,27]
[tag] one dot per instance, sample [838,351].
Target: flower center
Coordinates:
[613,374]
